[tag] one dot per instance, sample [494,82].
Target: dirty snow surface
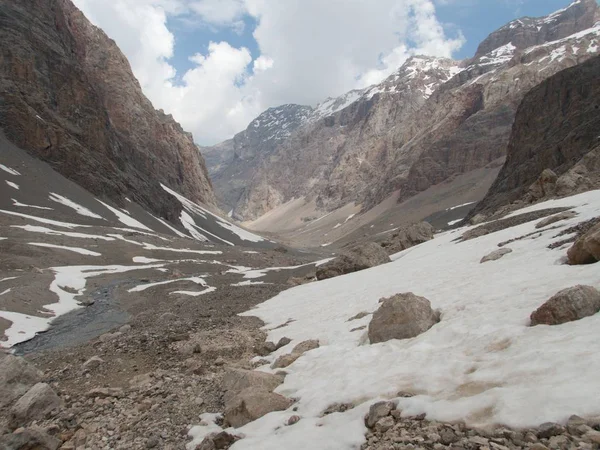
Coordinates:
[482,363]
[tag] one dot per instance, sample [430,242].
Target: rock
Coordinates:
[93,363]
[29,439]
[306,346]
[555,218]
[574,423]
[282,342]
[107,337]
[125,328]
[267,348]
[206,444]
[586,249]
[223,440]
[477,219]
[297,352]
[359,257]
[544,186]
[495,255]
[16,377]
[538,446]
[448,436]
[409,237]
[251,404]
[402,316]
[384,424]
[360,315]
[549,429]
[293,420]
[236,380]
[36,404]
[593,436]
[378,411]
[105,392]
[570,304]
[285,360]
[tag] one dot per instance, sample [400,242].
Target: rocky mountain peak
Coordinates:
[528,31]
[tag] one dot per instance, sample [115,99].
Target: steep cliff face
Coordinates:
[69,98]
[432,120]
[556,127]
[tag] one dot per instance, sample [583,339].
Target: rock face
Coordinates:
[70,99]
[402,316]
[555,130]
[586,249]
[252,404]
[429,121]
[568,305]
[16,377]
[360,257]
[408,237]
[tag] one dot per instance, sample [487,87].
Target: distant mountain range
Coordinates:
[429,122]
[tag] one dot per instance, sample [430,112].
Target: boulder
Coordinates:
[306,346]
[495,255]
[378,411]
[236,380]
[16,377]
[555,218]
[544,186]
[251,404]
[402,316]
[570,304]
[586,250]
[409,237]
[36,404]
[359,257]
[478,219]
[93,363]
[29,439]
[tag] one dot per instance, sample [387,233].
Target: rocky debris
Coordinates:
[217,441]
[586,249]
[359,257]
[501,224]
[388,429]
[478,219]
[236,380]
[566,104]
[251,404]
[29,439]
[408,237]
[17,376]
[556,218]
[105,392]
[337,408]
[402,316]
[298,281]
[297,352]
[37,403]
[360,315]
[570,304]
[114,149]
[495,255]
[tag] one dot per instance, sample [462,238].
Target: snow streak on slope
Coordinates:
[82,210]
[126,219]
[482,363]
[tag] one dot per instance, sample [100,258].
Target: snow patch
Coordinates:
[125,219]
[12,185]
[9,170]
[81,251]
[24,205]
[81,210]
[143,287]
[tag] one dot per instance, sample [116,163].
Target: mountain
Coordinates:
[69,98]
[430,122]
[556,128]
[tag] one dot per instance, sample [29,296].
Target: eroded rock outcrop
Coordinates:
[70,99]
[359,257]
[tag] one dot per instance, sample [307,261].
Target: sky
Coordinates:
[217,64]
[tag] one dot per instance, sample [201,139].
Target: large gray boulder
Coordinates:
[359,257]
[586,249]
[570,304]
[402,316]
[252,404]
[236,380]
[16,377]
[36,404]
[409,237]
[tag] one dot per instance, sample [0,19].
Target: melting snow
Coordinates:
[23,205]
[513,374]
[82,210]
[42,220]
[5,292]
[196,293]
[143,287]
[9,170]
[81,251]
[12,185]
[454,222]
[248,283]
[181,250]
[125,219]
[44,230]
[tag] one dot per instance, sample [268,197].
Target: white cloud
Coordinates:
[309,50]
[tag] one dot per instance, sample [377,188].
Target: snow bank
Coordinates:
[482,363]
[81,210]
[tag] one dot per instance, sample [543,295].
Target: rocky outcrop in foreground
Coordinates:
[69,98]
[554,148]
